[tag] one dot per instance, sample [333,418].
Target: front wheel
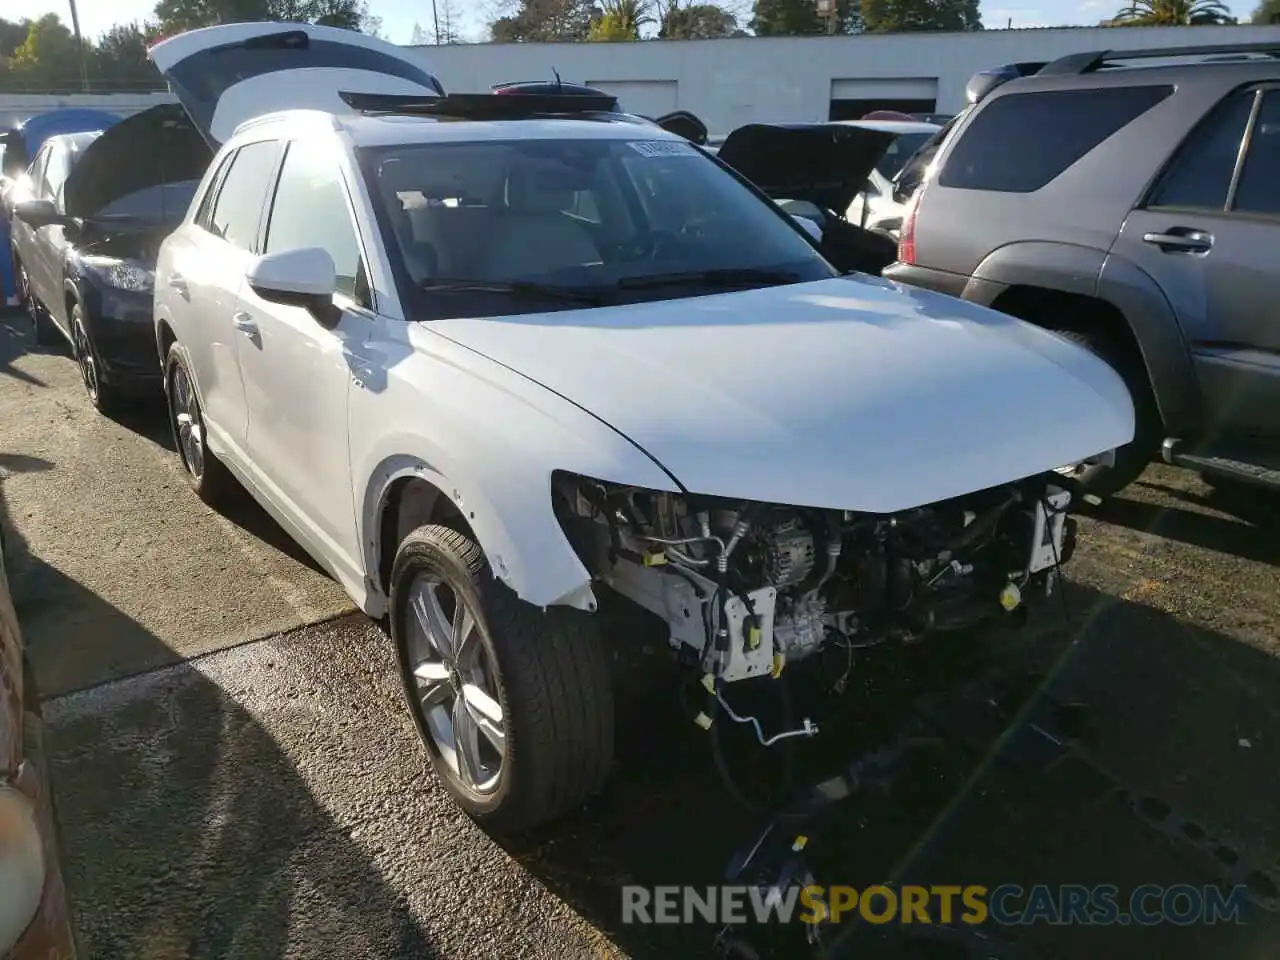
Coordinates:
[514,704]
[103,397]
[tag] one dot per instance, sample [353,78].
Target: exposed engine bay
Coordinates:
[746,588]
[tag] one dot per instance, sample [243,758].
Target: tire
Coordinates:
[544,671]
[104,397]
[42,328]
[1134,457]
[204,472]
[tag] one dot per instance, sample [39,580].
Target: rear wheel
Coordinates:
[513,703]
[1133,458]
[204,472]
[45,333]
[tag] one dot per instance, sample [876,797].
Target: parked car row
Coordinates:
[490,356]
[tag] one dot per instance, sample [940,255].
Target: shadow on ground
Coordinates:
[175,852]
[1162,712]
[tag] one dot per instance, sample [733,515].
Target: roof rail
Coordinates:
[1076,63]
[482,106]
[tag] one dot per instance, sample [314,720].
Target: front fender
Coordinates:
[489,439]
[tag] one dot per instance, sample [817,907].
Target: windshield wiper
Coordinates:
[519,288]
[732,277]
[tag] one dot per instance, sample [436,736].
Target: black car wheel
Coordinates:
[204,472]
[101,394]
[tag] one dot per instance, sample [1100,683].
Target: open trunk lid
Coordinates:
[226,75]
[826,164]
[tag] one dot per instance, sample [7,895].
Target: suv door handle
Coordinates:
[178,283]
[244,323]
[1181,240]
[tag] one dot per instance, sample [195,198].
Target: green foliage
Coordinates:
[698,21]
[545,21]
[797,18]
[47,59]
[1172,13]
[621,20]
[900,16]
[1268,12]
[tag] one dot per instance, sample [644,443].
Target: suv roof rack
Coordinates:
[483,106]
[1076,63]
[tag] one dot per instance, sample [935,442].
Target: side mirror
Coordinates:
[305,278]
[809,227]
[39,213]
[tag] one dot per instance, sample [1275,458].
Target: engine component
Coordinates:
[799,632]
[782,554]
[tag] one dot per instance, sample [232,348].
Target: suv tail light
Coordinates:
[907,236]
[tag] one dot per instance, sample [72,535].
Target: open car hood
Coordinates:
[157,146]
[826,164]
[229,74]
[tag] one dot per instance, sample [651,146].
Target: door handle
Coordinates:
[178,283]
[244,323]
[1180,240]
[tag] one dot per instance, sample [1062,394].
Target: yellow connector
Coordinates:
[655,559]
[779,661]
[703,721]
[709,681]
[1010,597]
[800,843]
[754,635]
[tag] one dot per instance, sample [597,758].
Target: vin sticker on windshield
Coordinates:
[663,148]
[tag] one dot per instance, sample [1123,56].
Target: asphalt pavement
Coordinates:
[236,775]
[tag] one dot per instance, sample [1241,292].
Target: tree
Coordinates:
[48,59]
[545,21]
[797,18]
[621,20]
[698,21]
[12,35]
[1172,13]
[176,16]
[1268,12]
[119,59]
[902,16]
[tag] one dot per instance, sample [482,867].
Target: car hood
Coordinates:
[228,74]
[159,145]
[853,393]
[823,163]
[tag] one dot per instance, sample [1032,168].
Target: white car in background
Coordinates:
[485,369]
[876,207]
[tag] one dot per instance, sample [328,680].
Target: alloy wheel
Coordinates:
[184,408]
[455,688]
[84,359]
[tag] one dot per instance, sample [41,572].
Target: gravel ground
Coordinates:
[269,798]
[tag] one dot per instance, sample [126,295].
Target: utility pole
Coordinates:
[436,19]
[84,60]
[827,9]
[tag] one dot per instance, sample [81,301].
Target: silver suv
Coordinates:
[1130,200]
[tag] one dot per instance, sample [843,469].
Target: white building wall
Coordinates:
[734,81]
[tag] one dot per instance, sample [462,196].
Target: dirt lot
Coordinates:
[236,776]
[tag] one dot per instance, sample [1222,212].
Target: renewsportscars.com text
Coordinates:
[1006,905]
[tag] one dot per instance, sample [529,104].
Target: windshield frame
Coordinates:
[412,297]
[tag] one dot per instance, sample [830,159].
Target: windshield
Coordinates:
[610,220]
[899,152]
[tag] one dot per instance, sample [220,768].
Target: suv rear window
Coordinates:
[1021,141]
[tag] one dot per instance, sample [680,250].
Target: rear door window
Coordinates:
[1199,177]
[1259,188]
[237,212]
[1020,142]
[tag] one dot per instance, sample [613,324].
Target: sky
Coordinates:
[399,16]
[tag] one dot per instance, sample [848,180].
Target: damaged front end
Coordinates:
[746,588]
